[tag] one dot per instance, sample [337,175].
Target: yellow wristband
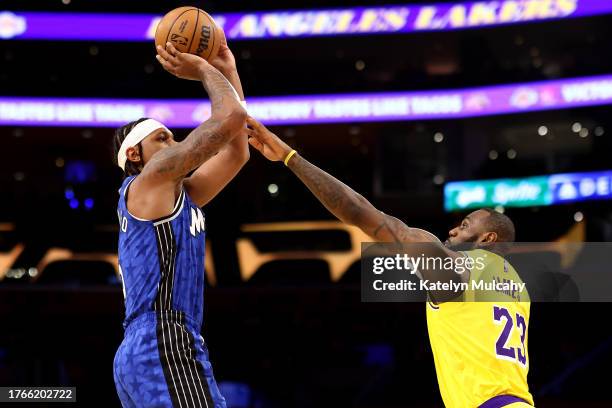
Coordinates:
[289,156]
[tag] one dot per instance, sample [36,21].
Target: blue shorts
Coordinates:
[163,362]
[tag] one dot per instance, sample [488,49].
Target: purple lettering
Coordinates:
[501,350]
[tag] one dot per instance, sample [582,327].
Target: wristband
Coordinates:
[289,156]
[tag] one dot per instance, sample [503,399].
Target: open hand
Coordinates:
[180,64]
[268,144]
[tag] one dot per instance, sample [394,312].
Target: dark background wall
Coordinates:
[312,343]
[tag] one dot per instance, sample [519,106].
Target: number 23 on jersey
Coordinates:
[510,322]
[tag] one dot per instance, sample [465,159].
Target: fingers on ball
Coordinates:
[171,50]
[166,65]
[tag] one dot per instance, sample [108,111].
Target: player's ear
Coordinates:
[489,237]
[133,154]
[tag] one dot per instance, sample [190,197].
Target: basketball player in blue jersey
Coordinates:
[479,340]
[163,360]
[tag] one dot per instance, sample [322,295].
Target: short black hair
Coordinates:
[131,168]
[500,224]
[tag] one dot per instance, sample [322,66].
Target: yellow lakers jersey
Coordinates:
[480,344]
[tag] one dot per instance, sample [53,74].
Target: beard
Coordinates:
[464,244]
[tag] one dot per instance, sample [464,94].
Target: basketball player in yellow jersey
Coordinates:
[479,346]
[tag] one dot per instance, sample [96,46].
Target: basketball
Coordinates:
[190,30]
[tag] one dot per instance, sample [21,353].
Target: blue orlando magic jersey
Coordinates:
[162,261]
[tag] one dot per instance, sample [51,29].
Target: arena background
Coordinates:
[295,334]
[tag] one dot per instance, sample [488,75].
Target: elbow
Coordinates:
[231,120]
[232,124]
[235,120]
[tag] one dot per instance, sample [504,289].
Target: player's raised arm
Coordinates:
[352,208]
[154,192]
[226,121]
[212,176]
[342,201]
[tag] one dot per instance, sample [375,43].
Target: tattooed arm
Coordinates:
[345,203]
[154,192]
[211,177]
[353,209]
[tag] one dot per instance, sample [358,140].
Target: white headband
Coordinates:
[136,135]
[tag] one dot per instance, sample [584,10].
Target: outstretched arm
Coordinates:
[212,176]
[342,201]
[154,191]
[353,209]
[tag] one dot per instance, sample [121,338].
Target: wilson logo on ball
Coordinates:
[204,38]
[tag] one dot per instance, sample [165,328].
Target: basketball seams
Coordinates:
[202,19]
[174,22]
[195,30]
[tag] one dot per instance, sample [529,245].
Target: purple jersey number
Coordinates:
[502,315]
[501,350]
[520,323]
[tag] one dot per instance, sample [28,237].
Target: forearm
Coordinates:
[234,79]
[238,149]
[341,200]
[221,93]
[352,208]
[239,146]
[213,175]
[226,122]
[227,113]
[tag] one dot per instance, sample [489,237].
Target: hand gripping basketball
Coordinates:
[190,30]
[180,64]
